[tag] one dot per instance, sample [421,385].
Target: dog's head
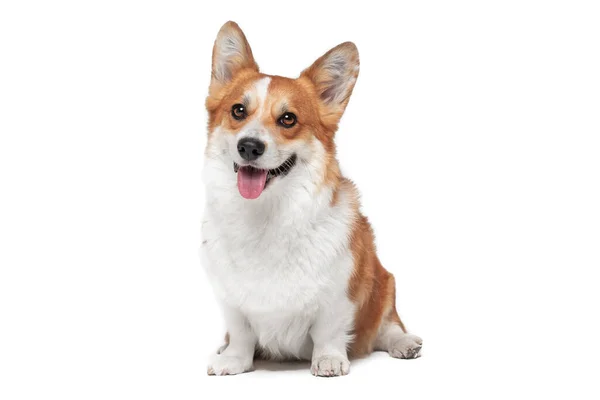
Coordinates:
[270,129]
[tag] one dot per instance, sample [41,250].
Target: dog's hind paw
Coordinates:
[408,346]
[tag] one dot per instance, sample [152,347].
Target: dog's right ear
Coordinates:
[231,54]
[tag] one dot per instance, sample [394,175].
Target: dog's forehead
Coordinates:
[260,88]
[266,91]
[256,93]
[294,91]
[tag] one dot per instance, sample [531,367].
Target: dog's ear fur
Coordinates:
[334,75]
[231,54]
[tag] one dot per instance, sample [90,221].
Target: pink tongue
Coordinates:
[251,182]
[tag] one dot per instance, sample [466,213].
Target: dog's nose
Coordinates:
[250,149]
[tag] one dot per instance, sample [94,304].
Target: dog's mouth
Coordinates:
[252,181]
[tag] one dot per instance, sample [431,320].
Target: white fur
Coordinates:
[280,264]
[261,88]
[397,343]
[281,260]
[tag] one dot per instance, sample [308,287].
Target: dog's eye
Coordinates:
[238,111]
[287,120]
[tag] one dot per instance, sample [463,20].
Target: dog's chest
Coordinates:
[273,258]
[280,335]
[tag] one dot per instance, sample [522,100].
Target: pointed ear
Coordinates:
[231,54]
[334,76]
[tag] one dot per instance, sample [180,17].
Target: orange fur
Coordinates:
[371,287]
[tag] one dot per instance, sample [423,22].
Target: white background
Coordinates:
[473,134]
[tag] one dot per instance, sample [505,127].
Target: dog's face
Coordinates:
[269,127]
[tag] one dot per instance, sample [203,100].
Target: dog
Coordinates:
[290,257]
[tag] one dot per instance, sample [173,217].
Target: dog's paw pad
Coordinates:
[407,347]
[330,366]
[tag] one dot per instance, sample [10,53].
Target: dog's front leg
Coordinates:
[329,335]
[238,356]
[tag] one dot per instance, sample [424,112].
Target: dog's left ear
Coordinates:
[334,76]
[231,54]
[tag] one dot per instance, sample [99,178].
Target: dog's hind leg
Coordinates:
[393,338]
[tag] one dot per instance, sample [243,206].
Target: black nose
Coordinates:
[250,149]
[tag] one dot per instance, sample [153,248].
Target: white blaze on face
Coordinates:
[251,181]
[254,128]
[261,87]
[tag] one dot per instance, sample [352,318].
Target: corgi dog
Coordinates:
[290,257]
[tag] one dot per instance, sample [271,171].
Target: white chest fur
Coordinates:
[278,259]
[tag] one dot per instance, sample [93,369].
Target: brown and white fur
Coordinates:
[295,269]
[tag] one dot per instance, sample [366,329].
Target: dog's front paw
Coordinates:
[228,365]
[330,365]
[408,346]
